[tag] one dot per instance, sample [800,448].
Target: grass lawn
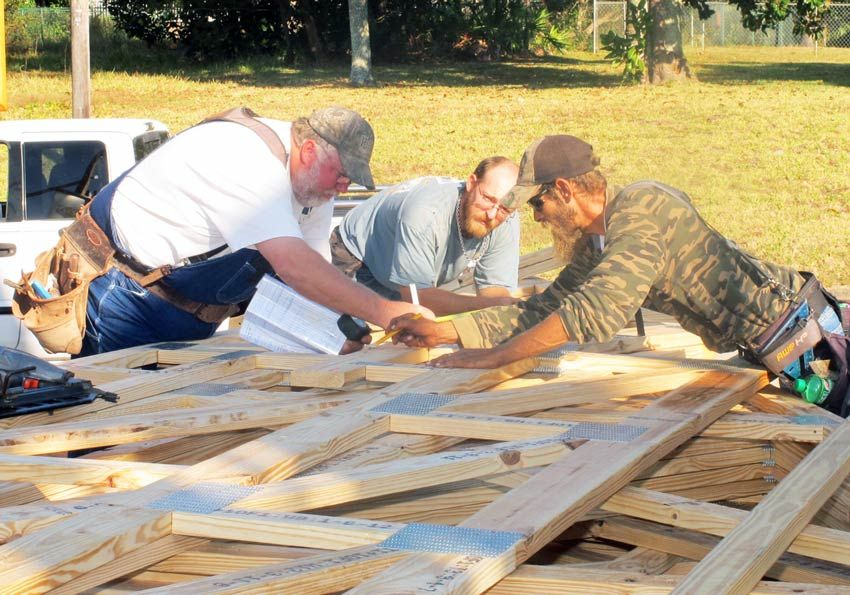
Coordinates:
[761,143]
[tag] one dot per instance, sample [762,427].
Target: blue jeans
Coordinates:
[365,277]
[121,313]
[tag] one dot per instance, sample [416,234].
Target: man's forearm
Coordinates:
[541,338]
[443,302]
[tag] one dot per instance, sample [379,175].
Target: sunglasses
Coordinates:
[536,201]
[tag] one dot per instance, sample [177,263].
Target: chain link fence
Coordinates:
[37,27]
[724,27]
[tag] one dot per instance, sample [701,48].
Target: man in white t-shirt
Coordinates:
[198,222]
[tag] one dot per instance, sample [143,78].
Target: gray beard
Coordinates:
[302,187]
[566,235]
[565,242]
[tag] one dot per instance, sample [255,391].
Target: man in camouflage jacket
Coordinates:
[644,244]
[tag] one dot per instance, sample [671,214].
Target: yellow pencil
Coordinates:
[393,333]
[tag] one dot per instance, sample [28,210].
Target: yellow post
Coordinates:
[3,98]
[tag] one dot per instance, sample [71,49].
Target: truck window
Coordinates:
[61,176]
[144,144]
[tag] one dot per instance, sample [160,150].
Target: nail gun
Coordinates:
[29,384]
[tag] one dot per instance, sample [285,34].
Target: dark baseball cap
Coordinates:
[351,136]
[548,158]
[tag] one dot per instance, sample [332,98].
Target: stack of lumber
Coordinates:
[638,466]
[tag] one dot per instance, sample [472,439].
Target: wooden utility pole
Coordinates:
[4,105]
[80,61]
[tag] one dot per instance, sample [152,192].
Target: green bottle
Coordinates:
[813,388]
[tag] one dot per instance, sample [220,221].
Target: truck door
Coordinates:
[45,184]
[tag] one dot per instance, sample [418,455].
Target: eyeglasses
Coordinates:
[536,201]
[493,202]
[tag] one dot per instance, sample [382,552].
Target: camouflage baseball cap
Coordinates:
[548,158]
[351,136]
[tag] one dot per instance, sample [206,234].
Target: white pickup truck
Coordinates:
[48,168]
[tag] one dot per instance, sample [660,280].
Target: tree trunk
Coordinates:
[665,55]
[361,49]
[314,41]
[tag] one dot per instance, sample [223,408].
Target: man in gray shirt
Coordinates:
[431,231]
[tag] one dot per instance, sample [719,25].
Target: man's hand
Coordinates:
[501,300]
[396,310]
[421,332]
[470,358]
[351,346]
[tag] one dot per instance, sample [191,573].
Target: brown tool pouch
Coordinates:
[82,254]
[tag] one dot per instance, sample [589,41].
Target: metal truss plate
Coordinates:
[208,389]
[445,539]
[603,431]
[414,403]
[203,498]
[813,420]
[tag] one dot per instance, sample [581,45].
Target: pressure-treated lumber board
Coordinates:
[755,426]
[118,474]
[481,427]
[16,521]
[727,491]
[556,394]
[693,545]
[219,557]
[289,529]
[698,479]
[590,475]
[814,541]
[131,357]
[179,451]
[709,461]
[103,374]
[339,487]
[39,562]
[447,505]
[160,424]
[384,449]
[640,559]
[560,579]
[743,556]
[318,574]
[135,560]
[701,445]
[342,370]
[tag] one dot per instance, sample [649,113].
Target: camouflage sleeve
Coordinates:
[491,326]
[592,303]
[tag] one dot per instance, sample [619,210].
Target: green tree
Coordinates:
[317,30]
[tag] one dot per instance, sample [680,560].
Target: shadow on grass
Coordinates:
[134,58]
[538,74]
[548,72]
[744,72]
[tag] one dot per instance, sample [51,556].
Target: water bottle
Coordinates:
[813,388]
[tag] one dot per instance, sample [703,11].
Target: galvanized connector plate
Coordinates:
[445,539]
